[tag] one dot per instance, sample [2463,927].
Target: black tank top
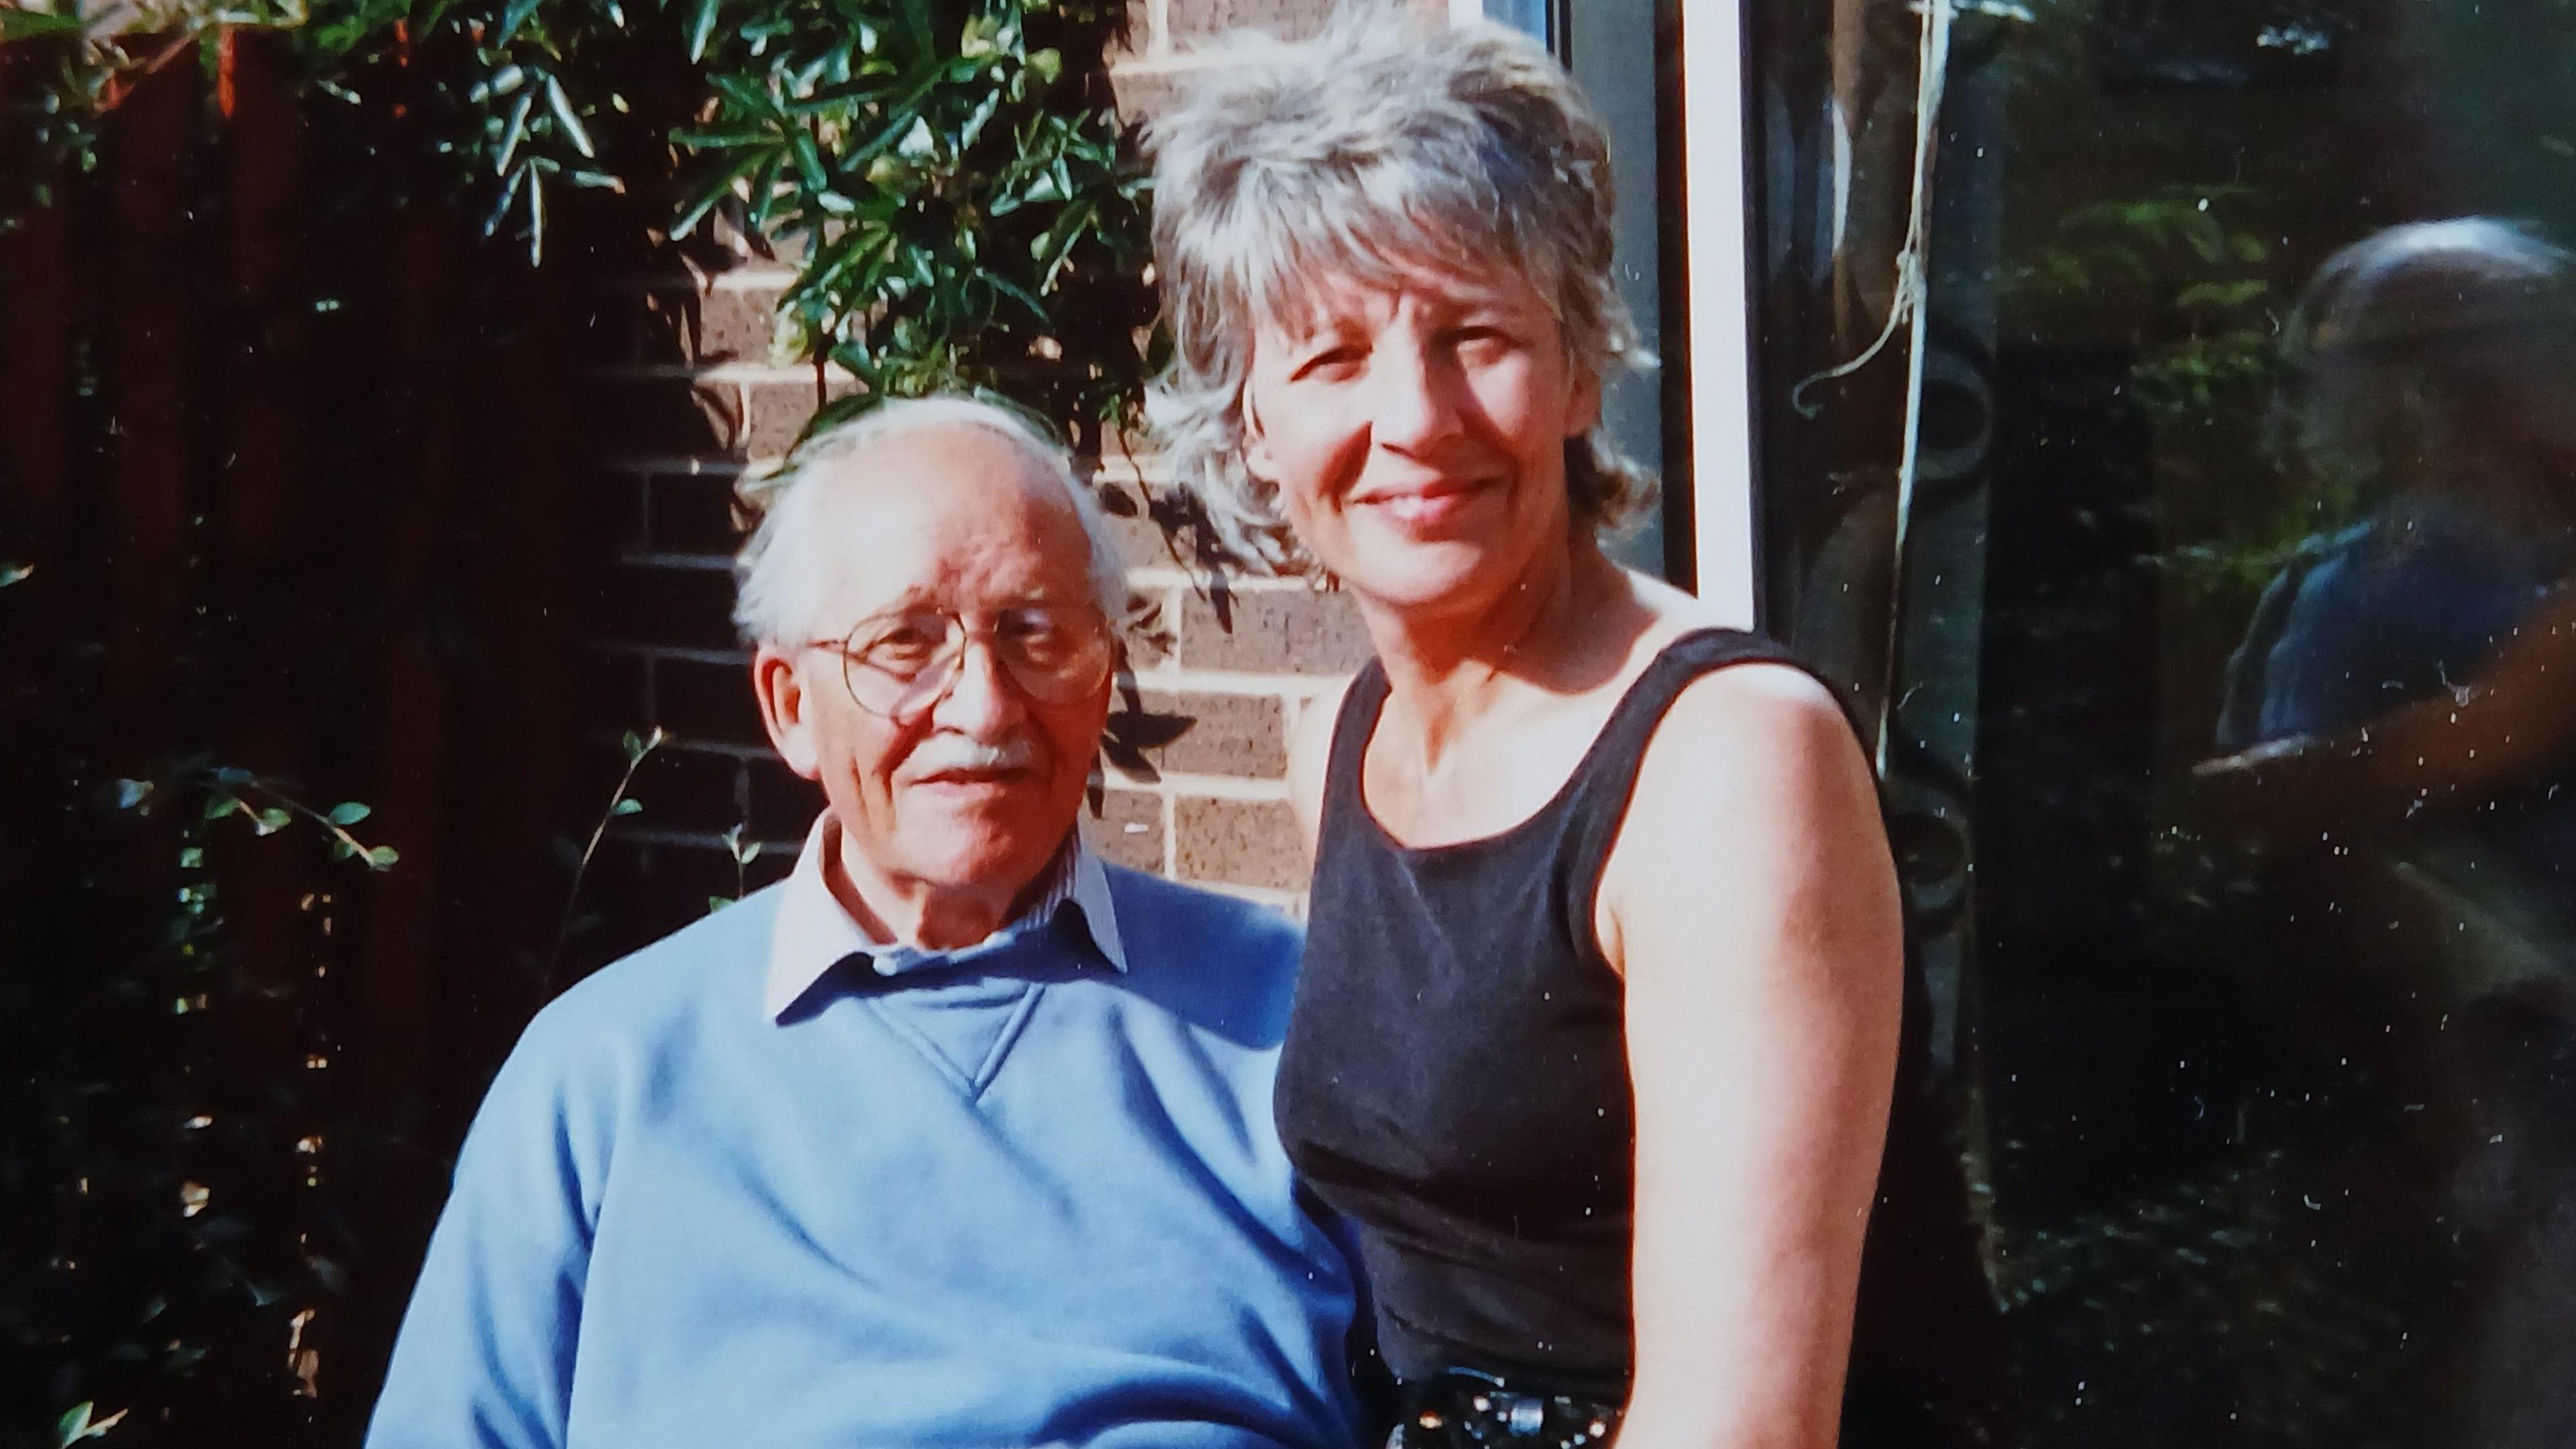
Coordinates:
[1455,1078]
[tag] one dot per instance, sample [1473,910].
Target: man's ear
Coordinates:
[785,710]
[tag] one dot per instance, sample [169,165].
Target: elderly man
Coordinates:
[954,1137]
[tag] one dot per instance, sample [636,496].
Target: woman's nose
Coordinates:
[1413,398]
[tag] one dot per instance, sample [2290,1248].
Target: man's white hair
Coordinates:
[783,574]
[1385,145]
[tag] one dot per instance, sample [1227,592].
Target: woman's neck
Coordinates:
[1549,630]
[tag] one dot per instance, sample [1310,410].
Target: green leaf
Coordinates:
[513,133]
[633,745]
[219,806]
[501,208]
[701,25]
[73,1426]
[718,903]
[1055,247]
[627,805]
[561,104]
[348,812]
[130,793]
[512,18]
[536,214]
[14,573]
[716,188]
[809,161]
[270,821]
[382,857]
[747,95]
[18,24]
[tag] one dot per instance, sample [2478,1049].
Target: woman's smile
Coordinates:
[1433,505]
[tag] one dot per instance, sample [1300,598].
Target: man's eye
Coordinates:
[901,647]
[1037,636]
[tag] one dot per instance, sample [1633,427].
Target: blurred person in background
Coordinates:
[2401,720]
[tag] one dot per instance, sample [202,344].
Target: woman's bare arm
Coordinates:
[2503,727]
[1752,907]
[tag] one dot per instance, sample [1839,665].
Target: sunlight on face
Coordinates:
[1417,433]
[980,785]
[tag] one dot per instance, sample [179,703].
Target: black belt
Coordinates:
[1467,1409]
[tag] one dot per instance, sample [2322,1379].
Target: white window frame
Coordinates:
[1720,307]
[1719,304]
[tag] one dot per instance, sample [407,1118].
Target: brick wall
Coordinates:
[694,399]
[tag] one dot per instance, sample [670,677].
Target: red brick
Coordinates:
[612,325]
[783,804]
[778,411]
[735,324]
[663,415]
[1273,631]
[691,512]
[685,608]
[1145,94]
[1140,538]
[685,789]
[1226,734]
[613,688]
[1188,22]
[708,702]
[611,507]
[1239,842]
[1149,635]
[1128,830]
[661,324]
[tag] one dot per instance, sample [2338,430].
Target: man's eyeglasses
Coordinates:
[898,664]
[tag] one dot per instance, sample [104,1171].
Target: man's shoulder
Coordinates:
[1215,958]
[684,982]
[1177,916]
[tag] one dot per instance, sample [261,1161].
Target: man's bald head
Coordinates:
[787,571]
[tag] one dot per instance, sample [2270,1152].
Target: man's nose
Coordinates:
[982,701]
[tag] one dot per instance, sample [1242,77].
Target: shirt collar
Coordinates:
[814,933]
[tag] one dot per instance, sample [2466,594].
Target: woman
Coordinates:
[1599,1012]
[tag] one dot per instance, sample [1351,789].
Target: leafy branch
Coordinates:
[638,749]
[970,214]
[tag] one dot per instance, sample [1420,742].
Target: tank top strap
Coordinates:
[1596,798]
[1352,726]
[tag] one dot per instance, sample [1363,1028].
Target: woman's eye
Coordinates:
[1332,363]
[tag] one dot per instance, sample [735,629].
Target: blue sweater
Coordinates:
[681,1221]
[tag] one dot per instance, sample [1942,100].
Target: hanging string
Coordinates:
[1933,70]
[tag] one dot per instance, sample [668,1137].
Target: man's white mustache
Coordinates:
[943,753]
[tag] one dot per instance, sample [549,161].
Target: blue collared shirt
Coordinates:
[744,1188]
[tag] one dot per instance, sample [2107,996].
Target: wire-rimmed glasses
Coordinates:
[898,663]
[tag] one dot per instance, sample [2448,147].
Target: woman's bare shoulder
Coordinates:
[1759,726]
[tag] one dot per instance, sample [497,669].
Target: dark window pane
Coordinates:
[2209,571]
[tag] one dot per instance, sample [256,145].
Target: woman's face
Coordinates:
[1417,434]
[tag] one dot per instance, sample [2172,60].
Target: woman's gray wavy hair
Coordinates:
[1383,146]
